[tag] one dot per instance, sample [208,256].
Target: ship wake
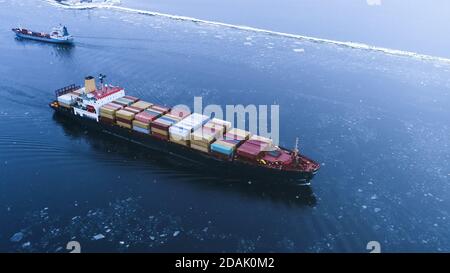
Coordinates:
[114,5]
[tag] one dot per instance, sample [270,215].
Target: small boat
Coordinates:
[59,35]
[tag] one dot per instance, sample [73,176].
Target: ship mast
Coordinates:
[101,77]
[296,151]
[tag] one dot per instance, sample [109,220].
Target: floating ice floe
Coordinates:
[17,237]
[83,4]
[27,244]
[122,218]
[98,237]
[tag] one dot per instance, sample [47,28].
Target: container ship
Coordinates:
[209,142]
[59,35]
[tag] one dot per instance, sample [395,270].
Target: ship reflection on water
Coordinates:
[59,50]
[184,171]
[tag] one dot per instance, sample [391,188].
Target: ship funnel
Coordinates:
[89,84]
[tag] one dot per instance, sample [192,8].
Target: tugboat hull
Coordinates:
[43,39]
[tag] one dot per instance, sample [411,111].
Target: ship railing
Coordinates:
[67,89]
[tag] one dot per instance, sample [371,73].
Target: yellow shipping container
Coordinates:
[200,148]
[159,131]
[181,142]
[142,104]
[107,116]
[203,135]
[107,111]
[200,143]
[125,114]
[122,124]
[141,124]
[172,117]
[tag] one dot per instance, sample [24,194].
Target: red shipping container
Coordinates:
[114,105]
[111,107]
[160,108]
[124,120]
[282,157]
[258,143]
[145,117]
[251,149]
[161,126]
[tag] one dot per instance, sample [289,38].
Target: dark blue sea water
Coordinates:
[376,121]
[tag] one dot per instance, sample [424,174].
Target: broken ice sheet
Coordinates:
[125,223]
[98,237]
[17,237]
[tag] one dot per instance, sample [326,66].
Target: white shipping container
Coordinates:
[179,133]
[195,119]
[192,122]
[224,123]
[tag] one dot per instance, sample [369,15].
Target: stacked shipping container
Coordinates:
[125,118]
[202,138]
[227,146]
[216,123]
[251,149]
[268,141]
[126,101]
[143,119]
[239,134]
[159,108]
[179,112]
[181,132]
[179,126]
[108,112]
[142,105]
[160,127]
[139,123]
[130,98]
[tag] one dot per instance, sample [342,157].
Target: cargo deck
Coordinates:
[192,137]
